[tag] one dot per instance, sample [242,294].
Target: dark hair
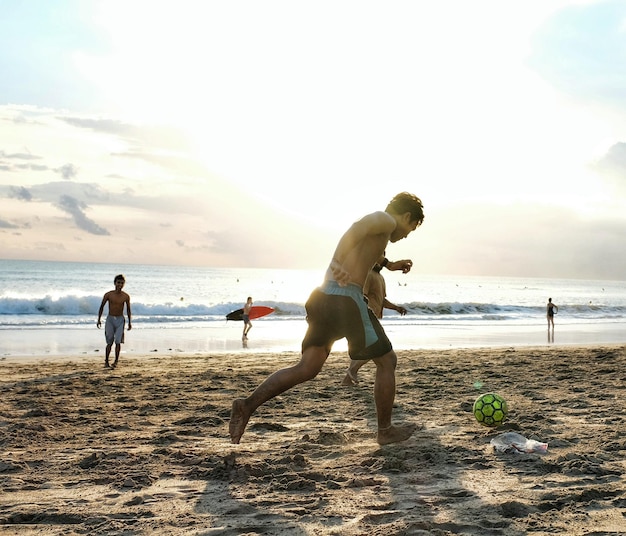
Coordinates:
[119,277]
[406,202]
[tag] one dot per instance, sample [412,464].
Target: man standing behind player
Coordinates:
[375,290]
[338,309]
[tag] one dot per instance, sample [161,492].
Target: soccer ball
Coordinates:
[490,409]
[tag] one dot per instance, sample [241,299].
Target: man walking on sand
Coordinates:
[114,326]
[337,309]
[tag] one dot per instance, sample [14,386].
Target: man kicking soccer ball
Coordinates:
[337,309]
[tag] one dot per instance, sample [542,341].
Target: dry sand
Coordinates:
[144,449]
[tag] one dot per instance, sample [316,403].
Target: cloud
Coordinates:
[7,225]
[613,165]
[68,171]
[154,135]
[107,126]
[19,192]
[84,192]
[8,166]
[614,161]
[522,240]
[19,156]
[75,208]
[33,167]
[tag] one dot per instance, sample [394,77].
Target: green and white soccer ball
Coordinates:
[490,409]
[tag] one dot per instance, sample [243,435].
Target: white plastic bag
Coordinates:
[514,442]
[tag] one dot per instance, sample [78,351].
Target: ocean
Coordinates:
[50,308]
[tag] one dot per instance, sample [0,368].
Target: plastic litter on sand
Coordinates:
[514,442]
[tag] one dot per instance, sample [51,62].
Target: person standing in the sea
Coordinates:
[551,310]
[337,309]
[115,322]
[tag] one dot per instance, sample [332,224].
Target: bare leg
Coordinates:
[351,377]
[118,348]
[107,354]
[246,329]
[384,395]
[307,368]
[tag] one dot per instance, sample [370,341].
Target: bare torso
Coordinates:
[116,302]
[360,248]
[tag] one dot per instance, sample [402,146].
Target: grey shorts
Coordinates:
[114,329]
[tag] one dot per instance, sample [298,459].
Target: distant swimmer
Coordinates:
[551,310]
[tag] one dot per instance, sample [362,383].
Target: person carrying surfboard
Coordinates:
[247,325]
[337,309]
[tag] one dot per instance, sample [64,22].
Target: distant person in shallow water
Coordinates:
[247,325]
[337,309]
[115,322]
[551,310]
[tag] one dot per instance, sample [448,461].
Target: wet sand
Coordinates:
[144,448]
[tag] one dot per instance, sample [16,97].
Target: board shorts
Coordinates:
[114,329]
[246,319]
[334,312]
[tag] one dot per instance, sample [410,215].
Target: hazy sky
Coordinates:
[254,133]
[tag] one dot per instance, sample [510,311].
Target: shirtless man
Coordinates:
[114,326]
[337,309]
[375,290]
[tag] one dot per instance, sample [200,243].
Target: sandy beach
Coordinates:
[144,448]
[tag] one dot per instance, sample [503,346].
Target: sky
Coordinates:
[252,134]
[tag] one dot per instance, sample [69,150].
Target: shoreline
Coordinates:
[286,336]
[144,448]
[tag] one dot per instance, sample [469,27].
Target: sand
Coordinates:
[144,448]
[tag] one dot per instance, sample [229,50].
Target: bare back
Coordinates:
[360,248]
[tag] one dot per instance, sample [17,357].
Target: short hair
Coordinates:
[119,277]
[406,202]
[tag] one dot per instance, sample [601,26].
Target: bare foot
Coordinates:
[238,420]
[350,378]
[395,434]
